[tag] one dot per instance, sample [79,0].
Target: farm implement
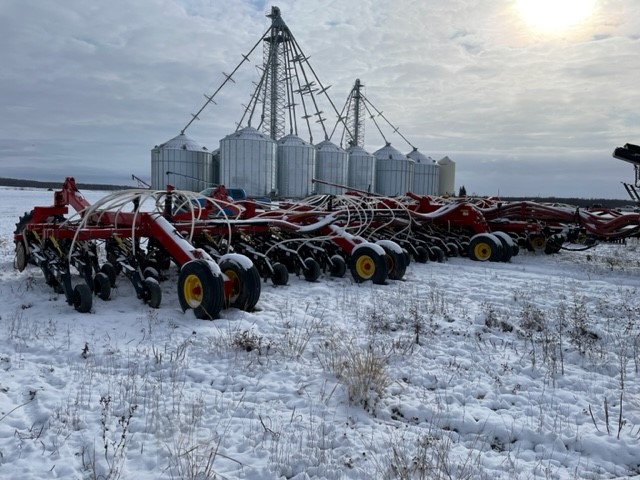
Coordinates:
[137,243]
[225,249]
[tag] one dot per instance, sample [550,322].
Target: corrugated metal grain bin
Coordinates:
[248,160]
[394,172]
[296,167]
[332,165]
[426,174]
[188,164]
[362,169]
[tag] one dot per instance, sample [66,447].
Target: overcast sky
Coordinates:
[89,87]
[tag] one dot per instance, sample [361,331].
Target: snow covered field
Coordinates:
[464,370]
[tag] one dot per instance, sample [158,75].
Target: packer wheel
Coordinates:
[311,270]
[152,294]
[421,255]
[102,286]
[280,275]
[338,266]
[110,271]
[82,298]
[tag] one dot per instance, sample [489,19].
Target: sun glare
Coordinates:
[554,15]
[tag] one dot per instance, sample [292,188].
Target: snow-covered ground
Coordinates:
[463,370]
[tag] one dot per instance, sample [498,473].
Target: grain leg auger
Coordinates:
[122,234]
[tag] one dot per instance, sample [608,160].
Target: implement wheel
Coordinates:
[421,255]
[507,245]
[201,288]
[537,242]
[367,264]
[311,270]
[280,275]
[82,298]
[484,246]
[436,254]
[152,293]
[245,284]
[396,262]
[338,266]
[110,271]
[102,286]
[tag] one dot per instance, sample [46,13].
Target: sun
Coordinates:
[554,15]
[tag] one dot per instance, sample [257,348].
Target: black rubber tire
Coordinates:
[311,269]
[23,221]
[280,275]
[453,250]
[407,257]
[396,265]
[338,266]
[421,255]
[485,247]
[21,263]
[436,254]
[152,293]
[102,286]
[209,299]
[507,245]
[110,271]
[21,258]
[246,285]
[82,298]
[151,272]
[367,264]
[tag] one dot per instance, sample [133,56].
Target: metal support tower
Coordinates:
[276,45]
[355,117]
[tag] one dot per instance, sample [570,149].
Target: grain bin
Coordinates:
[447,176]
[332,165]
[248,160]
[394,171]
[296,167]
[426,174]
[362,169]
[180,162]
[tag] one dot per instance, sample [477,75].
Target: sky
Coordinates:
[524,105]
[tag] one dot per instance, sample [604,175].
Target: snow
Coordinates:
[462,370]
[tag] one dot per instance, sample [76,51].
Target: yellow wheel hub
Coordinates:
[482,251]
[365,267]
[538,242]
[193,291]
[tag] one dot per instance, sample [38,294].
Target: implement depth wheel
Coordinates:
[200,289]
[82,298]
[152,294]
[484,246]
[367,264]
[338,266]
[245,284]
[280,275]
[311,270]
[421,255]
[102,286]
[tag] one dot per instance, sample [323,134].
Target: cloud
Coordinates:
[86,85]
